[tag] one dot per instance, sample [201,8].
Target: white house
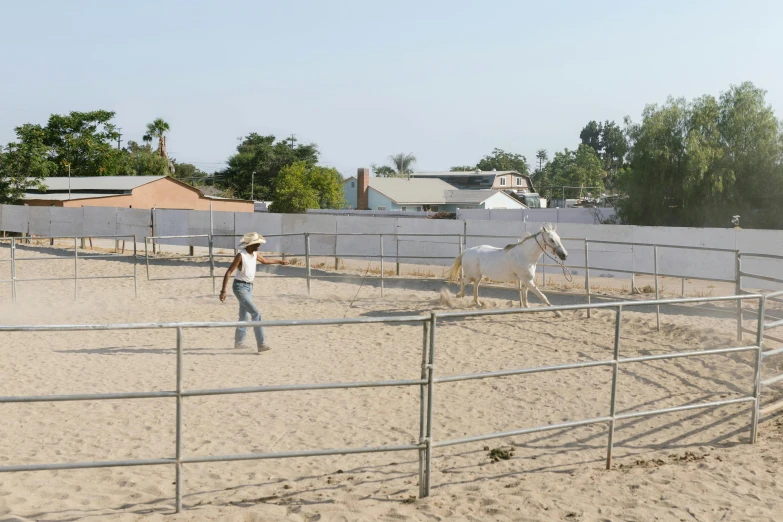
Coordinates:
[419,194]
[481,179]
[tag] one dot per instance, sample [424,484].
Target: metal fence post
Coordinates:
[212,262]
[135,262]
[587,277]
[657,307]
[75,268]
[381,241]
[682,292]
[423,412]
[543,273]
[430,392]
[738,291]
[307,259]
[398,253]
[179,422]
[211,250]
[13,269]
[615,370]
[633,275]
[754,420]
[147,256]
[463,243]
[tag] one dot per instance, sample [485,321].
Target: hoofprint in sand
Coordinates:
[691,465]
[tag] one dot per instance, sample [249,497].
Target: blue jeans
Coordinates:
[247,311]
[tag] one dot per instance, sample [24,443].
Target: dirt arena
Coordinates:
[693,465]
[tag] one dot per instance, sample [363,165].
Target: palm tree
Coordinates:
[158,129]
[541,156]
[403,163]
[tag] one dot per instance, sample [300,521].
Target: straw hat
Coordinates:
[252,238]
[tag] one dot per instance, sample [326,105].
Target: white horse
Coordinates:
[514,263]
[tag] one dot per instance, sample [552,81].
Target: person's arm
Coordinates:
[265,261]
[234,266]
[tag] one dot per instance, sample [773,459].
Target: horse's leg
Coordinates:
[475,292]
[543,298]
[461,292]
[524,297]
[519,283]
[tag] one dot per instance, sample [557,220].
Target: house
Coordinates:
[489,180]
[129,192]
[366,193]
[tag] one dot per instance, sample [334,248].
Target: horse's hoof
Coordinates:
[558,314]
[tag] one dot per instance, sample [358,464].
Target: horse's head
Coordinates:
[552,241]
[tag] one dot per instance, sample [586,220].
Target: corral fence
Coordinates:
[447,247]
[16,244]
[769,264]
[426,381]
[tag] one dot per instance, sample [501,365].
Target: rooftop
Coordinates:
[406,191]
[59,196]
[473,197]
[116,184]
[463,173]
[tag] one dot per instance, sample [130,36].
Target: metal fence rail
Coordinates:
[15,259]
[769,381]
[775,296]
[461,240]
[426,382]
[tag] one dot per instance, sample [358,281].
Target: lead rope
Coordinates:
[357,292]
[566,272]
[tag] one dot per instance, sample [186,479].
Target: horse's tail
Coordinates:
[454,272]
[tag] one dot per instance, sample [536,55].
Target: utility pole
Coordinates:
[69,181]
[119,139]
[252,184]
[293,140]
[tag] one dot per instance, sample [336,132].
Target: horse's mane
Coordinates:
[527,236]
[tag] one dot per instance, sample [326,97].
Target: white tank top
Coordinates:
[247,272]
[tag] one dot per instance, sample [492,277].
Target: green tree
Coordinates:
[591,136]
[259,160]
[300,187]
[498,160]
[543,157]
[24,163]
[609,141]
[698,163]
[401,166]
[141,160]
[158,130]
[571,168]
[614,147]
[383,171]
[85,141]
[328,184]
[502,160]
[189,173]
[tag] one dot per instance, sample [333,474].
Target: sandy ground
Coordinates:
[694,465]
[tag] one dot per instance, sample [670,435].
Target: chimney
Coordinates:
[362,186]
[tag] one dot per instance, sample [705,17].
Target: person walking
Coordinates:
[245,265]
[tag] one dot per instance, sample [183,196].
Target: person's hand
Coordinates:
[285,263]
[222,296]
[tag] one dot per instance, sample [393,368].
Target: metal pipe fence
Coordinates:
[426,381]
[14,259]
[764,355]
[775,296]
[460,243]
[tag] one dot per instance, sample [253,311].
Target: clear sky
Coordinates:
[445,80]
